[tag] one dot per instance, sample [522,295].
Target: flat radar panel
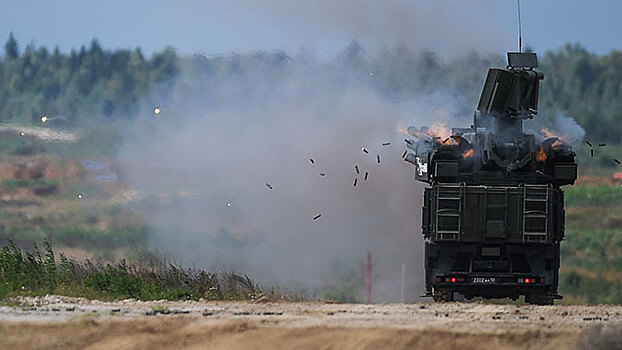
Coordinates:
[522,60]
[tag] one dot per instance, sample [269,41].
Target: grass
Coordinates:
[593,195]
[589,286]
[591,270]
[13,143]
[37,272]
[39,185]
[591,217]
[591,254]
[93,239]
[594,252]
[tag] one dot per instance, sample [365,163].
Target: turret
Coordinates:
[495,150]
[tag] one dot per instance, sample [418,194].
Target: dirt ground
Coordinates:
[71,323]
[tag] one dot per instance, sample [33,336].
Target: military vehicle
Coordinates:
[493,213]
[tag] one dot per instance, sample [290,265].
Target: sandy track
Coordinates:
[70,323]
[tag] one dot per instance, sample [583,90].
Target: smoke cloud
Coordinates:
[445,27]
[224,171]
[560,125]
[200,170]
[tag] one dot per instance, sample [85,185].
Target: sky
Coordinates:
[214,27]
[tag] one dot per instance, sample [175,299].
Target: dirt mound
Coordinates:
[32,168]
[181,333]
[65,169]
[38,176]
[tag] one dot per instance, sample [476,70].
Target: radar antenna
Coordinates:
[520,30]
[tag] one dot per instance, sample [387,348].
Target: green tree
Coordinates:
[11,49]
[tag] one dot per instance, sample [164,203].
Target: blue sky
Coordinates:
[212,27]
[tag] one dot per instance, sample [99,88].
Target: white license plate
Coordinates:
[484,280]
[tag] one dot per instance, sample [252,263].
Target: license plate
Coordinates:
[484,280]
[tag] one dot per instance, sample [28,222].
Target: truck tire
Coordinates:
[442,295]
[539,298]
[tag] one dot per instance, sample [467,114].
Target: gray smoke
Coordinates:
[568,128]
[555,124]
[446,27]
[200,168]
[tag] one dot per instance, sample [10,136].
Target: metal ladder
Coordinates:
[448,194]
[535,198]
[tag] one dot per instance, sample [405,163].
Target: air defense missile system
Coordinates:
[493,213]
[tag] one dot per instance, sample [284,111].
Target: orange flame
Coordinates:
[440,132]
[468,154]
[548,133]
[541,155]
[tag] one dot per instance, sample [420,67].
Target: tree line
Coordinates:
[92,83]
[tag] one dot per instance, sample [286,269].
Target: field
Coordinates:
[77,271]
[64,187]
[591,271]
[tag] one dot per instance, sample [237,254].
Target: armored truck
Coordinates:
[493,212]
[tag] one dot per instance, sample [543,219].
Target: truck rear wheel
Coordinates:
[539,298]
[442,295]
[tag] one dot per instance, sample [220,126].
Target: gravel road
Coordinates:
[55,322]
